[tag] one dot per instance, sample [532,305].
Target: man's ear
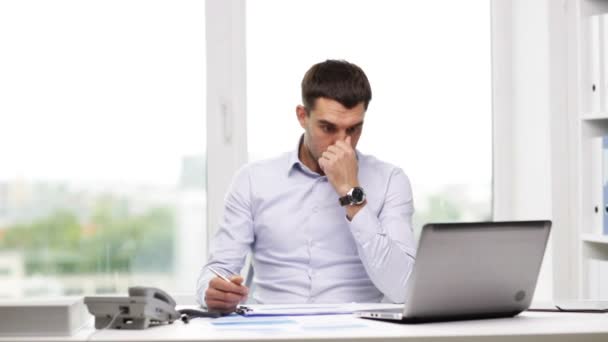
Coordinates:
[302,115]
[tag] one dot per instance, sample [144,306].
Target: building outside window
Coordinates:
[102,145]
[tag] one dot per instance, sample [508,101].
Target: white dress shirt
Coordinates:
[305,250]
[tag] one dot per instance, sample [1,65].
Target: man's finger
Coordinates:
[333,149]
[225,297]
[328,156]
[336,149]
[225,286]
[236,279]
[231,298]
[344,145]
[321,162]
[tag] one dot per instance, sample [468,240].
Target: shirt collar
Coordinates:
[294,158]
[294,161]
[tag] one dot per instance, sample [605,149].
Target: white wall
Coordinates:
[522,148]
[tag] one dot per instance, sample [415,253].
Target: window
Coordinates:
[429,66]
[102,145]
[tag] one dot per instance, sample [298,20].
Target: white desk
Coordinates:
[529,326]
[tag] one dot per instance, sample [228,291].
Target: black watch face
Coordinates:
[357,195]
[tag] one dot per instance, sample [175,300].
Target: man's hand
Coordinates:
[224,296]
[339,163]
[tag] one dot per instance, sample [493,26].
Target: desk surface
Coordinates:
[528,326]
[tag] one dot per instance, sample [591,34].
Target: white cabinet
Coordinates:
[587,94]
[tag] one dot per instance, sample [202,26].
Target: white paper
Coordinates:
[311,309]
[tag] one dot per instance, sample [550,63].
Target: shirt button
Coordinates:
[315,210]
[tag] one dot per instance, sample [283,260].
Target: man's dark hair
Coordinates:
[338,80]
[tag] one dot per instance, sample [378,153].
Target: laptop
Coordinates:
[471,271]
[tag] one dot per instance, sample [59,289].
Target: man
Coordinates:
[325,222]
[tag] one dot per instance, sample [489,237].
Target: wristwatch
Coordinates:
[354,196]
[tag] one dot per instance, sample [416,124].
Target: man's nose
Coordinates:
[341,136]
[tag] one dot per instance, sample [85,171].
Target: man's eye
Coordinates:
[352,130]
[327,129]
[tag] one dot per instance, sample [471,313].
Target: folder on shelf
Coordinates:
[593,278]
[604,184]
[597,186]
[594,70]
[597,279]
[603,280]
[602,57]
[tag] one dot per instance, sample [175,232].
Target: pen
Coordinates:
[217,273]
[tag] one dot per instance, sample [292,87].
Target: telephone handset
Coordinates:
[153,292]
[144,307]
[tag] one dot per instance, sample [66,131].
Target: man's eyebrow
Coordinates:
[325,122]
[357,125]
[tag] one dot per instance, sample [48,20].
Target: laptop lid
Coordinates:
[474,270]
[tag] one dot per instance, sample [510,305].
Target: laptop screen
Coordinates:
[471,268]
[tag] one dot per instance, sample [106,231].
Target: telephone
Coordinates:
[144,307]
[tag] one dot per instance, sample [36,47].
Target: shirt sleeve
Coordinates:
[232,242]
[385,242]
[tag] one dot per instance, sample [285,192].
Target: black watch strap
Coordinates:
[345,200]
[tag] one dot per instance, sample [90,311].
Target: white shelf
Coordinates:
[595,238]
[586,62]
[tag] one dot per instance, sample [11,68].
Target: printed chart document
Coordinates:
[307,309]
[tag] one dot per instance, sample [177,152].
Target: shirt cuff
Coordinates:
[365,225]
[203,284]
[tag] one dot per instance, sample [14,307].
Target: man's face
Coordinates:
[328,122]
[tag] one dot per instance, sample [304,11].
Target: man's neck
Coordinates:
[307,159]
